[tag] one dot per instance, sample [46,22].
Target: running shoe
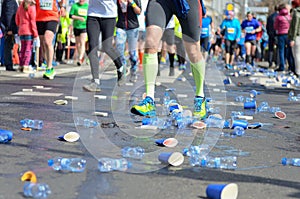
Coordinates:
[49,73]
[133,76]
[144,108]
[228,66]
[182,67]
[200,105]
[121,78]
[172,71]
[92,87]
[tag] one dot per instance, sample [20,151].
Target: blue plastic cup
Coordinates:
[172,158]
[222,191]
[250,105]
[160,142]
[241,123]
[227,81]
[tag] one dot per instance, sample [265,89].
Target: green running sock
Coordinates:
[198,71]
[150,68]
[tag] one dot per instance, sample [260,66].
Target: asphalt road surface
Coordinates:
[259,174]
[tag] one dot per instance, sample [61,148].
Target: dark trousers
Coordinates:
[106,26]
[273,55]
[285,52]
[8,46]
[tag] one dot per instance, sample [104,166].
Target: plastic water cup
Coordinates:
[250,105]
[227,81]
[69,137]
[172,158]
[167,142]
[222,191]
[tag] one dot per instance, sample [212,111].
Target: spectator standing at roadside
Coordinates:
[78,13]
[294,34]
[25,20]
[8,10]
[281,26]
[272,38]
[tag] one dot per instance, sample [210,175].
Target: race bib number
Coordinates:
[230,30]
[204,31]
[46,4]
[249,29]
[82,12]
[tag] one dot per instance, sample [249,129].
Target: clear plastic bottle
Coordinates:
[75,165]
[226,162]
[36,190]
[110,164]
[240,98]
[88,123]
[133,152]
[253,93]
[215,122]
[291,161]
[5,136]
[34,124]
[292,96]
[165,105]
[263,107]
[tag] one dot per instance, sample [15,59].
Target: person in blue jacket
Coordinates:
[232,35]
[206,32]
[250,26]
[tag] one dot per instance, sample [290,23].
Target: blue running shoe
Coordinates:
[145,108]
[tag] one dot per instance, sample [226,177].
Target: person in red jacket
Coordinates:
[25,20]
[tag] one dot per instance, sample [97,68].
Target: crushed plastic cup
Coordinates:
[171,158]
[60,102]
[167,142]
[198,125]
[227,81]
[29,176]
[222,191]
[280,115]
[70,137]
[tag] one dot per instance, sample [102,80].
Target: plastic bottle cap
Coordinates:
[203,163]
[50,162]
[284,161]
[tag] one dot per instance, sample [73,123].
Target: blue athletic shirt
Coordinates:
[249,26]
[233,29]
[205,32]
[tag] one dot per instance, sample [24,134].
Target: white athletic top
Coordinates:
[141,17]
[103,8]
